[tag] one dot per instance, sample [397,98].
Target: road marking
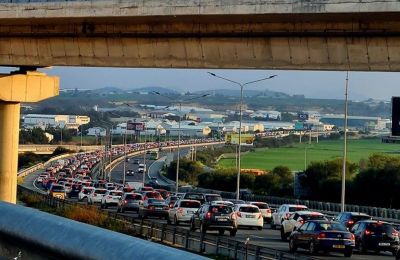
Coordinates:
[34,185]
[256,236]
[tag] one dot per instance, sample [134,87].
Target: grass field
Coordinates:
[296,156]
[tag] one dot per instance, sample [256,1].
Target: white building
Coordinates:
[96,131]
[63,121]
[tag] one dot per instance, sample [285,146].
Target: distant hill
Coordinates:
[247,93]
[107,90]
[162,90]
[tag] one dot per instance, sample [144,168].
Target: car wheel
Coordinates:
[361,247]
[232,233]
[192,227]
[203,228]
[221,232]
[105,205]
[311,248]
[272,225]
[168,221]
[348,252]
[283,235]
[260,228]
[118,210]
[292,246]
[122,210]
[176,222]
[101,205]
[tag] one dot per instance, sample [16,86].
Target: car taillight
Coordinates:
[208,215]
[109,197]
[239,214]
[268,210]
[350,222]
[125,202]
[180,210]
[301,222]
[288,215]
[259,216]
[321,235]
[165,207]
[94,194]
[352,237]
[367,232]
[150,207]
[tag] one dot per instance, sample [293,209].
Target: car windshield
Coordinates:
[261,205]
[115,193]
[194,196]
[332,226]
[221,209]
[313,217]
[157,201]
[297,208]
[57,188]
[100,191]
[133,197]
[381,228]
[213,197]
[190,204]
[249,209]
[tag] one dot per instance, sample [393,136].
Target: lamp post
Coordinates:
[342,200]
[144,153]
[241,85]
[179,131]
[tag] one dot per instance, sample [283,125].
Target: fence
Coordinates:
[182,238]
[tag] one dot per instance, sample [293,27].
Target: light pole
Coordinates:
[179,131]
[241,85]
[144,153]
[124,137]
[342,200]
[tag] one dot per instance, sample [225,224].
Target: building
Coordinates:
[96,131]
[62,121]
[357,122]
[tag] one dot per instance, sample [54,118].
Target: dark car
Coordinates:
[130,201]
[348,219]
[75,189]
[214,217]
[317,235]
[194,196]
[213,197]
[376,235]
[154,207]
[136,161]
[130,172]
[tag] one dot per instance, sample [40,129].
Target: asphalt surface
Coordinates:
[265,237]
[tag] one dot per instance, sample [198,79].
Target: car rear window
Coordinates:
[58,188]
[331,226]
[294,209]
[381,228]
[115,193]
[261,205]
[190,204]
[359,217]
[221,209]
[156,201]
[133,197]
[100,191]
[213,197]
[313,217]
[249,209]
[87,191]
[194,196]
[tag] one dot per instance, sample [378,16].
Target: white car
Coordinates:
[41,177]
[296,220]
[67,187]
[85,192]
[248,215]
[265,210]
[183,211]
[284,212]
[96,195]
[111,198]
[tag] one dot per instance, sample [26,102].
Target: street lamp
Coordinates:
[342,199]
[179,130]
[241,85]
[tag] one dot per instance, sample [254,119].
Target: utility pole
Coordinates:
[342,200]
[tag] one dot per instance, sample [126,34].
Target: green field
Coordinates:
[296,156]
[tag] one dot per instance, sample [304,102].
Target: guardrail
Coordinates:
[59,237]
[27,171]
[183,238]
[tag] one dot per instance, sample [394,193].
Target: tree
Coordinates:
[188,170]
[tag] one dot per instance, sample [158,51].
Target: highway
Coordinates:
[265,237]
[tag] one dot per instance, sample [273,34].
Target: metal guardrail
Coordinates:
[182,238]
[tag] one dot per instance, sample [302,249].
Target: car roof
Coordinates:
[294,205]
[323,221]
[258,202]
[305,212]
[373,221]
[246,205]
[357,213]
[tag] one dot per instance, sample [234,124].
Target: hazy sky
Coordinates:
[314,84]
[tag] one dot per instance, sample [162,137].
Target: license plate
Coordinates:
[384,244]
[222,219]
[338,246]
[158,208]
[250,216]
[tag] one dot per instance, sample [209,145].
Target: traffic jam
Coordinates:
[304,230]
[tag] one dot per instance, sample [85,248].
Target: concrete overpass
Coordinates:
[262,34]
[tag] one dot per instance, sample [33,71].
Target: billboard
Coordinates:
[135,126]
[247,139]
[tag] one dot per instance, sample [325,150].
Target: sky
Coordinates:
[312,84]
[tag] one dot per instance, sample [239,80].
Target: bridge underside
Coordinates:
[367,42]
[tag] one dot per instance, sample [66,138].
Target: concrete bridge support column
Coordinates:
[17,87]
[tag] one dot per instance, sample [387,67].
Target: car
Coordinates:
[130,172]
[96,195]
[57,191]
[375,235]
[136,161]
[183,211]
[130,201]
[248,215]
[350,218]
[170,201]
[152,195]
[164,193]
[322,235]
[84,193]
[212,197]
[265,210]
[194,196]
[284,212]
[154,207]
[75,190]
[214,217]
[235,201]
[41,177]
[111,197]
[298,219]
